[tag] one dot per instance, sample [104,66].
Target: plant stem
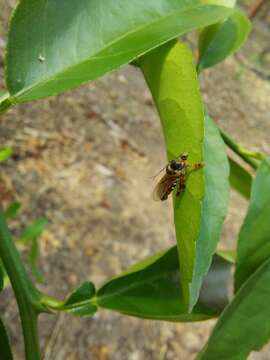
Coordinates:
[245,154]
[27,296]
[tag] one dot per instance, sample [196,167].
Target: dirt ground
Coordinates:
[84,161]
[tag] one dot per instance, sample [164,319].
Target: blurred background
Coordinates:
[84,161]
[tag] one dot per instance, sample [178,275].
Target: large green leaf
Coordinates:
[240,179]
[254,238]
[5,349]
[215,204]
[244,324]
[56,45]
[219,41]
[151,289]
[172,79]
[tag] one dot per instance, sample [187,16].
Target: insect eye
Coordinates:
[175,165]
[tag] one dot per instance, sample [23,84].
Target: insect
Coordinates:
[176,171]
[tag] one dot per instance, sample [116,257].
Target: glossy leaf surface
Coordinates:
[151,289]
[172,79]
[79,302]
[243,326]
[214,206]
[254,238]
[54,46]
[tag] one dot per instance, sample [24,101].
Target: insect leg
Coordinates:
[181,184]
[195,166]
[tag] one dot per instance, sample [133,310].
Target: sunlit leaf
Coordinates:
[254,238]
[215,204]
[56,45]
[243,326]
[220,40]
[172,79]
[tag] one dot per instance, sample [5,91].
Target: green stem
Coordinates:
[247,155]
[27,296]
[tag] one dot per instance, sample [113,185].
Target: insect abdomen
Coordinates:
[171,188]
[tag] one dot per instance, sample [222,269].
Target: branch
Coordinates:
[247,155]
[27,296]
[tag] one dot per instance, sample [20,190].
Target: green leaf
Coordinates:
[243,326]
[254,238]
[33,259]
[33,231]
[172,79]
[54,46]
[79,302]
[219,41]
[12,210]
[240,179]
[151,290]
[6,353]
[5,153]
[214,206]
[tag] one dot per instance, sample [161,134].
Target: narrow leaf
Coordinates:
[12,210]
[33,231]
[172,79]
[5,153]
[54,46]
[243,326]
[220,40]
[30,235]
[5,349]
[33,260]
[254,238]
[151,289]
[215,204]
[240,179]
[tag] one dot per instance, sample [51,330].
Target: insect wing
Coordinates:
[164,187]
